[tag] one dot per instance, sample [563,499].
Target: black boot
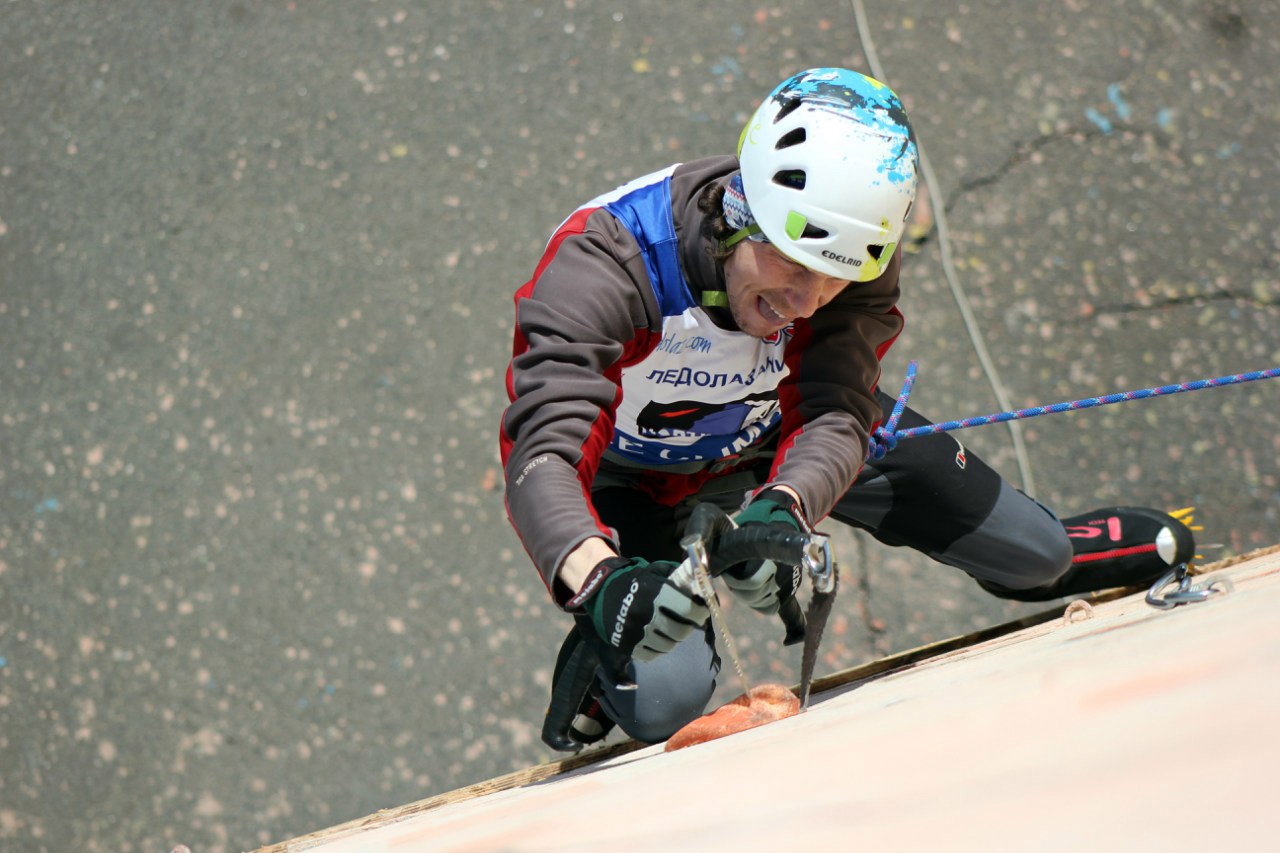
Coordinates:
[1119,546]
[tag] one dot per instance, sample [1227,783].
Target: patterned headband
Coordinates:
[738,214]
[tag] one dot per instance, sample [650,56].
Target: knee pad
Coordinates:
[1019,546]
[671,691]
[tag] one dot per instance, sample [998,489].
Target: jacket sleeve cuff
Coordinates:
[576,603]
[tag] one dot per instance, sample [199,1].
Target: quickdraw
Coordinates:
[1187,591]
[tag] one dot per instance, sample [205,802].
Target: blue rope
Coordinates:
[1055,408]
[901,405]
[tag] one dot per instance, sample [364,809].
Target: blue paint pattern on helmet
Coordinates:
[865,100]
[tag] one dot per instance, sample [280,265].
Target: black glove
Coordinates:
[763,584]
[636,608]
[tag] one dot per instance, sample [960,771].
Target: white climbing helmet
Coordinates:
[829,171]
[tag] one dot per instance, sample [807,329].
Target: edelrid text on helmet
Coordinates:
[829,171]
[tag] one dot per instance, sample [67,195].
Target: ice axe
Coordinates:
[713,544]
[731,545]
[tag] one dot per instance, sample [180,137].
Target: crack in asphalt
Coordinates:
[1021,153]
[1175,302]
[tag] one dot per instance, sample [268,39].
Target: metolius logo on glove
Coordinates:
[616,638]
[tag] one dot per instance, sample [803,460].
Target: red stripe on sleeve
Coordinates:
[601,432]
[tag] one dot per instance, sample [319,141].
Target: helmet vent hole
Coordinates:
[813,232]
[789,105]
[875,251]
[791,178]
[794,137]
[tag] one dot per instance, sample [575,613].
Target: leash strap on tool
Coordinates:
[1072,406]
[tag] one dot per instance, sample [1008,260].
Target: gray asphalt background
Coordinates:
[256,261]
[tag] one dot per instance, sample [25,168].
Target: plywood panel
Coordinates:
[1124,728]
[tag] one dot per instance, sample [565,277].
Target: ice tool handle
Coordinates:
[714,543]
[808,549]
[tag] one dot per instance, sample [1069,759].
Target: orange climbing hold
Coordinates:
[762,704]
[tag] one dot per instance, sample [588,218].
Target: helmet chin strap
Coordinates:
[737,213]
[715,299]
[744,234]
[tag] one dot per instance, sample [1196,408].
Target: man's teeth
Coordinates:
[770,313]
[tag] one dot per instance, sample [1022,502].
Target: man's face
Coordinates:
[767,291]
